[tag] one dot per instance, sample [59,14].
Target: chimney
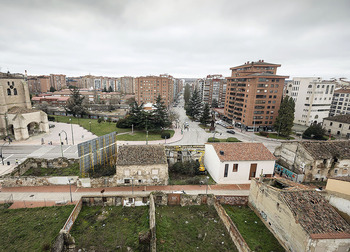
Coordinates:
[222,152]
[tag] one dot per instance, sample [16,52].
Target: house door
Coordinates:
[226,170]
[252,171]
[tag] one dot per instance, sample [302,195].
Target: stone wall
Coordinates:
[232,200]
[235,235]
[36,181]
[152,224]
[40,162]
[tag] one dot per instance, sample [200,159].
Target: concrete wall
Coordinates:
[341,203]
[338,186]
[156,174]
[235,235]
[266,200]
[216,168]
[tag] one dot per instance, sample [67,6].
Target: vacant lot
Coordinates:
[255,233]
[194,228]
[111,228]
[31,229]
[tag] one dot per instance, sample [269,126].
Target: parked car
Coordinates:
[51,126]
[231,132]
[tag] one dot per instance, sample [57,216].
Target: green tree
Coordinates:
[52,89]
[75,103]
[315,131]
[205,117]
[110,89]
[187,93]
[285,118]
[194,105]
[160,115]
[214,103]
[104,89]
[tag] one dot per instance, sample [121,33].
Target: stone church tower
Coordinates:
[17,118]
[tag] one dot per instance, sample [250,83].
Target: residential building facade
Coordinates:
[142,165]
[39,84]
[338,125]
[214,88]
[312,97]
[230,163]
[318,160]
[148,88]
[300,217]
[58,81]
[127,85]
[340,102]
[253,96]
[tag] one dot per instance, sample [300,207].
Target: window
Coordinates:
[126,181]
[144,200]
[131,200]
[331,123]
[340,125]
[15,91]
[235,168]
[8,91]
[226,170]
[335,171]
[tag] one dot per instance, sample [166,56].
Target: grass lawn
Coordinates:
[72,170]
[194,228]
[31,229]
[180,179]
[276,136]
[229,139]
[141,136]
[106,228]
[254,232]
[99,129]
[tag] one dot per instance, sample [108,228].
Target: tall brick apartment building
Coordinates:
[148,88]
[253,95]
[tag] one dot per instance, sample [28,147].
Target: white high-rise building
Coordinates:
[312,97]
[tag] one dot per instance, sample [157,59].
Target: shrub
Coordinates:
[109,120]
[51,118]
[99,120]
[165,135]
[211,140]
[123,123]
[232,139]
[193,181]
[264,133]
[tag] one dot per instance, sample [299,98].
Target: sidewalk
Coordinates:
[36,196]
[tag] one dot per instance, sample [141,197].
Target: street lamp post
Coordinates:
[206,190]
[61,143]
[62,131]
[90,125]
[132,128]
[70,189]
[71,126]
[132,185]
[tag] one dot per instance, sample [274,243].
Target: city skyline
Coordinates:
[187,39]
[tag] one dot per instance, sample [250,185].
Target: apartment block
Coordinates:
[127,85]
[38,84]
[312,97]
[340,102]
[58,81]
[214,88]
[253,95]
[148,88]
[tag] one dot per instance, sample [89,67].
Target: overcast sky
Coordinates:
[183,38]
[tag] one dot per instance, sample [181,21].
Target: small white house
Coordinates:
[238,163]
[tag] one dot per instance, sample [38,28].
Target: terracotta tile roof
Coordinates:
[339,118]
[316,215]
[141,155]
[328,149]
[242,152]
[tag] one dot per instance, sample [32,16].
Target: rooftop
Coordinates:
[328,149]
[342,90]
[21,110]
[257,63]
[345,178]
[316,215]
[141,155]
[339,118]
[242,152]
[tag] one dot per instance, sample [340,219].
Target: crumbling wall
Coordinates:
[152,224]
[60,162]
[232,200]
[36,181]
[235,235]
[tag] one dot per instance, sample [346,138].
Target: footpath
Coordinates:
[36,196]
